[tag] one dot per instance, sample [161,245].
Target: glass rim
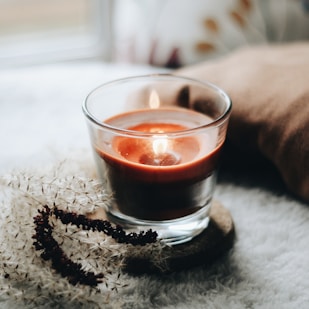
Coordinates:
[159,76]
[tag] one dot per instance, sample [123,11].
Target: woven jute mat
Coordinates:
[204,249]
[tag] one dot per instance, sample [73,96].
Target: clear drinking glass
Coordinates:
[156,141]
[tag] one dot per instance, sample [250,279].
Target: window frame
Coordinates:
[98,47]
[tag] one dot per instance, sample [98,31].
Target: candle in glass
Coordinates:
[157,161]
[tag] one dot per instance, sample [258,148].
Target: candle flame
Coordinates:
[154,100]
[160,144]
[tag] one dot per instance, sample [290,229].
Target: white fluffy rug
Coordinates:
[41,122]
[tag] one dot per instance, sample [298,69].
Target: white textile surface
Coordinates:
[41,122]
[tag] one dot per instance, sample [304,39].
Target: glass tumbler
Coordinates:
[157,140]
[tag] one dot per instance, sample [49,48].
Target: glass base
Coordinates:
[171,232]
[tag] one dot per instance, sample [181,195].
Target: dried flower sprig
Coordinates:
[25,278]
[60,262]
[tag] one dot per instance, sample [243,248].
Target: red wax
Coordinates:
[160,186]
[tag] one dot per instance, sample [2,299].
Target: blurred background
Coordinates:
[40,31]
[168,33]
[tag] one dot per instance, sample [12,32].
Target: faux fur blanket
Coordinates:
[41,123]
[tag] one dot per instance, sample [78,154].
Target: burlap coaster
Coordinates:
[210,245]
